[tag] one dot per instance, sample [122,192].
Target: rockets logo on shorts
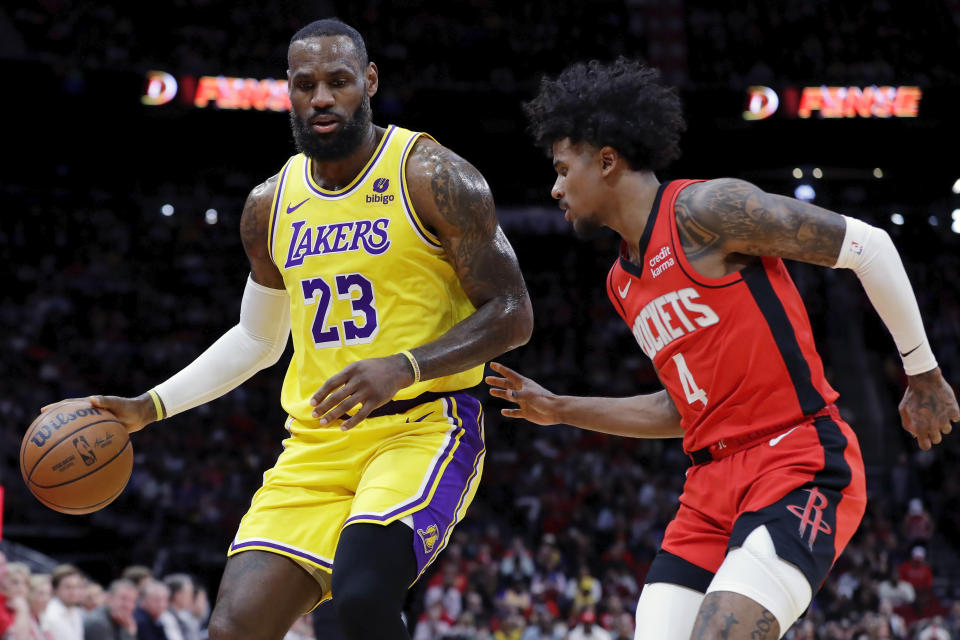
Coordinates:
[811,516]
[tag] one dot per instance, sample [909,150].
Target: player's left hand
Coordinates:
[928,407]
[370,383]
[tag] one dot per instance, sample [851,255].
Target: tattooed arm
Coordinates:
[454,201]
[724,222]
[730,217]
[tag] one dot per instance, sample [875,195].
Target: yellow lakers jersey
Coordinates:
[366,279]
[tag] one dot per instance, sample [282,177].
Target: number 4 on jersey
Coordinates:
[690,388]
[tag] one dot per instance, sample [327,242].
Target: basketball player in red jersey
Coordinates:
[777,485]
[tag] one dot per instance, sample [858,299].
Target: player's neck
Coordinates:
[337,174]
[632,202]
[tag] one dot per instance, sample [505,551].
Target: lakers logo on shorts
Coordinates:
[429,537]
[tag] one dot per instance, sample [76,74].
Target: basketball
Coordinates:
[76,458]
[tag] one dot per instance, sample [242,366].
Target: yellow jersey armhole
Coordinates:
[275,205]
[407,202]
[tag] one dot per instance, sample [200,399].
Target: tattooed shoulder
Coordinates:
[255,219]
[447,191]
[734,216]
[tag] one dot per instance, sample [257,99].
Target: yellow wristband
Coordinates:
[413,364]
[157,403]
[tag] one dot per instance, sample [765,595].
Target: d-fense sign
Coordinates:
[221,92]
[833,102]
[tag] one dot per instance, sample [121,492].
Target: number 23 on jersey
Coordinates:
[362,328]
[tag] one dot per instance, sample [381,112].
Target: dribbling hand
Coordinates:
[369,383]
[928,408]
[534,403]
[133,413]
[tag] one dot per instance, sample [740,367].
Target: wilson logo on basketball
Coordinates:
[46,430]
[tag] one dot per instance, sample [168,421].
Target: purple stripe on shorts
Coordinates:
[279,547]
[422,496]
[431,524]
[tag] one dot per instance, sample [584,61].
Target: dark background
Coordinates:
[107,295]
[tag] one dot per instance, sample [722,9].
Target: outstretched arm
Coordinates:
[454,201]
[735,217]
[646,416]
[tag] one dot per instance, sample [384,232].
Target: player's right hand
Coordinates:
[929,408]
[534,403]
[133,413]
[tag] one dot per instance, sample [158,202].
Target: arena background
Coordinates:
[119,237]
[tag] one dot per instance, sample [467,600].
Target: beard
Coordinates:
[332,146]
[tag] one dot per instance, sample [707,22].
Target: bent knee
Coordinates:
[224,626]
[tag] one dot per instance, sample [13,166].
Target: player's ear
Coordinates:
[373,79]
[609,160]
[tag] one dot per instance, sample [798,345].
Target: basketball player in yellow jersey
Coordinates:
[380,249]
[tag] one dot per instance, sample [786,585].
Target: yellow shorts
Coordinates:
[424,463]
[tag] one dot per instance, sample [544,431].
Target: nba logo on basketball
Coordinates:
[429,537]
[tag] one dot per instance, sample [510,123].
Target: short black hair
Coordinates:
[333,27]
[620,104]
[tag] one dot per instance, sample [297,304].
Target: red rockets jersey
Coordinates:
[736,353]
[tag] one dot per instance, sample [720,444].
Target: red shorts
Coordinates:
[806,484]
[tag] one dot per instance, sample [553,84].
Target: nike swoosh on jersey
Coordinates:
[775,441]
[623,291]
[295,207]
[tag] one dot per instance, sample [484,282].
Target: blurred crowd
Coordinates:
[65,604]
[825,41]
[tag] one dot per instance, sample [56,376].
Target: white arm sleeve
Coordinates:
[254,344]
[870,253]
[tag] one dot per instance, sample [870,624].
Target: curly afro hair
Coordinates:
[619,104]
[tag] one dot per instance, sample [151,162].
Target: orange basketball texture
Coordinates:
[76,458]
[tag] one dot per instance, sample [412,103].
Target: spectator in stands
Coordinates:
[38,597]
[113,620]
[433,624]
[138,575]
[63,617]
[935,630]
[511,628]
[446,591]
[14,611]
[918,525]
[916,571]
[585,591]
[201,609]
[588,629]
[154,602]
[895,589]
[182,599]
[93,595]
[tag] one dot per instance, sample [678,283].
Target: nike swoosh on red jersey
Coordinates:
[775,441]
[623,292]
[295,207]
